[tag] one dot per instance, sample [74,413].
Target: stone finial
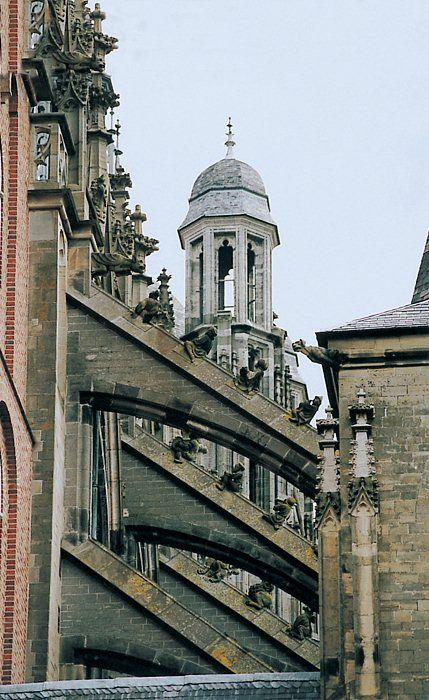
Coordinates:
[229,143]
[166,299]
[139,217]
[98,16]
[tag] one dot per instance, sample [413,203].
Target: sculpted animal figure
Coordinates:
[249,380]
[186,446]
[321,356]
[305,411]
[301,627]
[281,511]
[200,347]
[232,481]
[102,263]
[150,309]
[259,595]
[216,571]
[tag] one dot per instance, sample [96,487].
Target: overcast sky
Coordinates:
[330,103]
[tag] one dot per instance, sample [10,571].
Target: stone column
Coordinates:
[328,525]
[363,508]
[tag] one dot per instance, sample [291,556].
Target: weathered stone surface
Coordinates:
[155,505]
[185,625]
[307,651]
[113,345]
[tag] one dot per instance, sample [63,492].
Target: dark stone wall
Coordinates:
[232,625]
[91,608]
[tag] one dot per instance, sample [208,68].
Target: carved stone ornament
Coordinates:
[150,309]
[367,485]
[98,191]
[45,28]
[321,356]
[216,571]
[259,595]
[301,626]
[186,446]
[250,380]
[103,263]
[102,98]
[305,412]
[281,511]
[233,480]
[200,347]
[71,89]
[326,500]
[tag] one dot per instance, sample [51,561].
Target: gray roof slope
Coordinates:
[228,187]
[409,316]
[421,290]
[266,686]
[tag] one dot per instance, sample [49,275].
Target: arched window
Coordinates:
[251,284]
[226,292]
[201,285]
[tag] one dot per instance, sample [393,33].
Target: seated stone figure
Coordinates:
[232,481]
[200,347]
[186,446]
[305,411]
[259,595]
[281,511]
[301,627]
[216,571]
[150,309]
[249,380]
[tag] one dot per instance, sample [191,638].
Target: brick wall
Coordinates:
[15,439]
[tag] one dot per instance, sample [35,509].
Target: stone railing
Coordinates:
[51,148]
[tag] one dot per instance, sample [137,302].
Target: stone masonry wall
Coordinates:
[89,607]
[232,625]
[400,395]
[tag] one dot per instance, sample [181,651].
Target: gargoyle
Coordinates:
[301,626]
[200,347]
[232,481]
[216,571]
[102,263]
[186,446]
[281,511]
[306,411]
[150,309]
[259,595]
[321,356]
[249,380]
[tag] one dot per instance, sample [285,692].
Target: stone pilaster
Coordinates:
[363,509]
[328,524]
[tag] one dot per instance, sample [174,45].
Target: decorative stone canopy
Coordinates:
[228,188]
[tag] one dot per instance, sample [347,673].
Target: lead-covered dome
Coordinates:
[228,188]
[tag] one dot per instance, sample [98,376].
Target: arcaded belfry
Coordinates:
[228,235]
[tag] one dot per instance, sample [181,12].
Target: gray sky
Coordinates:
[330,103]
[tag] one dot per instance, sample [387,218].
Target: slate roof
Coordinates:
[228,187]
[404,317]
[265,686]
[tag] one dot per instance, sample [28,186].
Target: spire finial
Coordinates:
[229,143]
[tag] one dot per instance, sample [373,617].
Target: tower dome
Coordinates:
[228,188]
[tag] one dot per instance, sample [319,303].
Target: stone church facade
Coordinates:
[161,496]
